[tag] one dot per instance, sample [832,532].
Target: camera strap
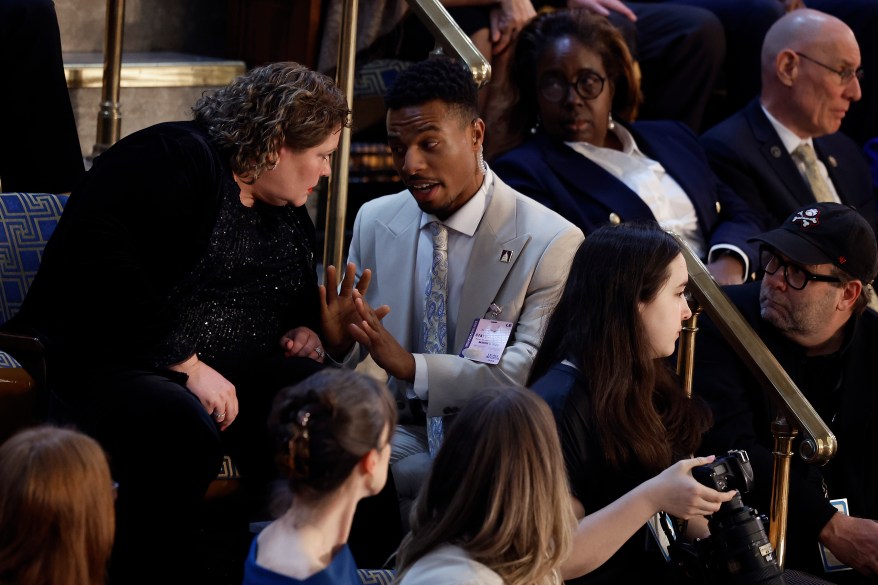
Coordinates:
[663,530]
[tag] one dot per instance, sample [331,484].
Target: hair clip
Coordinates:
[303,417]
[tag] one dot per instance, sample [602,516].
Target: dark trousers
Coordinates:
[165,449]
[39,146]
[745,23]
[680,50]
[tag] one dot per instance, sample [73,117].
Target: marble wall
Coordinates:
[188,26]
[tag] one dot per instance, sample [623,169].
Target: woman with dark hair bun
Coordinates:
[625,423]
[333,432]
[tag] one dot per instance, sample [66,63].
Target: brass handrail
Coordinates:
[819,444]
[449,37]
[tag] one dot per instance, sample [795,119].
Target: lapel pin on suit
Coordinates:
[506,256]
[832,162]
[776,151]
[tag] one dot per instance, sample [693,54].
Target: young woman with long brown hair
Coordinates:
[622,417]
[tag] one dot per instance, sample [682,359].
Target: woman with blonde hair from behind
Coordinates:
[496,508]
[56,509]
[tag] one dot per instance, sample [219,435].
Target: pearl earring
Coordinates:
[611,125]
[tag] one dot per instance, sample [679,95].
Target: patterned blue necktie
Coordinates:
[436,318]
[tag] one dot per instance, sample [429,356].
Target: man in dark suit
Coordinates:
[810,310]
[766,152]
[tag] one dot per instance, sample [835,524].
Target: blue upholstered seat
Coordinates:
[376,576]
[27,220]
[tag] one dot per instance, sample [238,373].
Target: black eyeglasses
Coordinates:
[588,85]
[845,73]
[795,276]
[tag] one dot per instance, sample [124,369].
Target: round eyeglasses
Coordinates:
[588,85]
[794,275]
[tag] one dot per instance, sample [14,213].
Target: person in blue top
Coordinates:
[333,431]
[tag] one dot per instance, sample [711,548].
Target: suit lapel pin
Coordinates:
[775,151]
[506,256]
[832,162]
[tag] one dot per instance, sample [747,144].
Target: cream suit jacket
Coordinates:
[542,243]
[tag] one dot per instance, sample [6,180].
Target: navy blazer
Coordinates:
[563,180]
[746,152]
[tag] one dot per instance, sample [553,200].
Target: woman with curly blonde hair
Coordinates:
[188,257]
[496,509]
[56,509]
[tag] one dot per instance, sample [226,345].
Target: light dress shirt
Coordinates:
[449,564]
[791,142]
[667,201]
[462,226]
[662,194]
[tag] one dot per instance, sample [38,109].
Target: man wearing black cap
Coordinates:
[810,310]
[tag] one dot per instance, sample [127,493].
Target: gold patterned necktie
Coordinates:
[804,153]
[435,318]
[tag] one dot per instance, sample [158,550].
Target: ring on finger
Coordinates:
[219,416]
[319,351]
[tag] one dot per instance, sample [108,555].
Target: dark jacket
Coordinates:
[129,238]
[748,155]
[594,482]
[586,194]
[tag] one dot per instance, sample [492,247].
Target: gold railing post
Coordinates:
[337,193]
[686,351]
[784,433]
[109,116]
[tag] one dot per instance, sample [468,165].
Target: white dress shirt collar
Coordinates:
[466,219]
[787,137]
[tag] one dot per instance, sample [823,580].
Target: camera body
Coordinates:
[738,550]
[732,472]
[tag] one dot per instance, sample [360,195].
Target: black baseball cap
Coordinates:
[827,233]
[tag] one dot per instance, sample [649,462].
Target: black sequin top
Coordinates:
[156,258]
[246,291]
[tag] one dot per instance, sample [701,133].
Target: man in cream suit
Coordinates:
[507,259]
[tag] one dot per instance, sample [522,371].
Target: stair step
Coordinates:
[158,69]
